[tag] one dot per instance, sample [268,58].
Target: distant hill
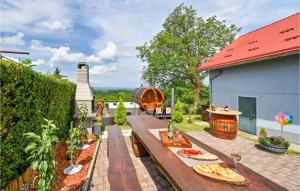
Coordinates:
[104,89]
[112,93]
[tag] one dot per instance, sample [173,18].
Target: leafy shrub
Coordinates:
[120,113]
[26,98]
[177,117]
[40,148]
[275,141]
[177,114]
[179,106]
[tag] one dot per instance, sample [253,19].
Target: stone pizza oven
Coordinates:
[84,93]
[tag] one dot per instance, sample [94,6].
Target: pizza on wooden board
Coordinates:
[196,154]
[219,172]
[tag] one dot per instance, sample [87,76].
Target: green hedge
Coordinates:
[26,98]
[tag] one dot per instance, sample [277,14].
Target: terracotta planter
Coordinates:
[263,134]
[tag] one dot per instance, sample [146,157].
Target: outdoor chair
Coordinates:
[168,113]
[158,113]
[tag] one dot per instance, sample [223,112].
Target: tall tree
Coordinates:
[56,72]
[185,42]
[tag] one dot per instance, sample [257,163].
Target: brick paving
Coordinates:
[149,176]
[100,176]
[282,169]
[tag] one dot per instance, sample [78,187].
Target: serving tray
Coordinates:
[185,143]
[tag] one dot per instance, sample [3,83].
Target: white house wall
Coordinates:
[275,84]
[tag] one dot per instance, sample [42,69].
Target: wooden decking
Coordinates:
[121,172]
[182,176]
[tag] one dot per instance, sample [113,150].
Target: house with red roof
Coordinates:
[258,74]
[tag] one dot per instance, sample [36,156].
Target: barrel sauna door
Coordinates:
[247,121]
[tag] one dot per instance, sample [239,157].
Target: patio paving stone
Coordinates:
[282,169]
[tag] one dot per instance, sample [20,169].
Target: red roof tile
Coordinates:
[281,37]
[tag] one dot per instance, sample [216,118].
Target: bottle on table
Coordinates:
[170,130]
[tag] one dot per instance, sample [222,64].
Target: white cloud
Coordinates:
[13,40]
[98,70]
[38,62]
[62,55]
[109,53]
[37,45]
[55,26]
[36,16]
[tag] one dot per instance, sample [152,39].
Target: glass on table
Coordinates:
[236,156]
[178,137]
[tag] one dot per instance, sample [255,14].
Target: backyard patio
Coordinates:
[281,169]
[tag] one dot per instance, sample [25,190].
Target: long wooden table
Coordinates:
[182,176]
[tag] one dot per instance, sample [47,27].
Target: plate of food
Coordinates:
[220,172]
[196,154]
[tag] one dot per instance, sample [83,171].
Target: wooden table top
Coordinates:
[182,176]
[223,112]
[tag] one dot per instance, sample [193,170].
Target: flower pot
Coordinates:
[107,121]
[274,149]
[263,134]
[96,129]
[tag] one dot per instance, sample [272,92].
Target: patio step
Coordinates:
[121,171]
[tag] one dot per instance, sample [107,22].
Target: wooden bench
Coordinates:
[137,147]
[121,172]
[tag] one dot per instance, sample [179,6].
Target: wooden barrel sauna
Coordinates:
[224,124]
[148,98]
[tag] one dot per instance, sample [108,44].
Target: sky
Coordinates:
[104,33]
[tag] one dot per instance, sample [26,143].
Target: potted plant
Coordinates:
[276,144]
[97,128]
[263,132]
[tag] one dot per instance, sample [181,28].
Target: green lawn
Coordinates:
[196,125]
